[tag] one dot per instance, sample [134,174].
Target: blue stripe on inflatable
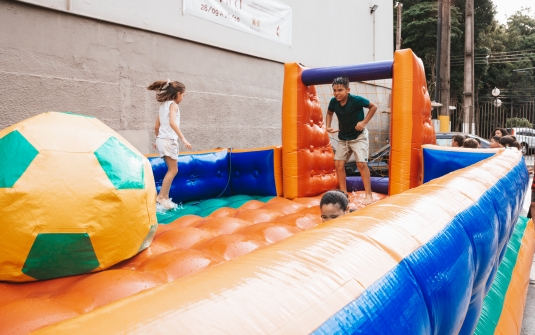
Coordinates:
[200,176]
[439,162]
[360,72]
[439,288]
[396,292]
[252,173]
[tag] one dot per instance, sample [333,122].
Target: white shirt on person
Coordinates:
[165,130]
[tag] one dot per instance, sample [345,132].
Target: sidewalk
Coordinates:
[529,160]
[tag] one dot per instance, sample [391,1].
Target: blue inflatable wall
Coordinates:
[223,172]
[439,161]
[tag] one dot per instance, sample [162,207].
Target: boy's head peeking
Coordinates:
[344,81]
[333,204]
[341,89]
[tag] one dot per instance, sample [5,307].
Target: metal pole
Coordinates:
[445,58]
[399,6]
[468,117]
[439,45]
[374,36]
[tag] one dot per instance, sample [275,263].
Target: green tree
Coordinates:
[516,122]
[511,47]
[419,33]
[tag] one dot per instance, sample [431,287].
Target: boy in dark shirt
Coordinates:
[353,134]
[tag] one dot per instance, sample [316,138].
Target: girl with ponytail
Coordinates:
[169,95]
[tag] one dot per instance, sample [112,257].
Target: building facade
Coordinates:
[97,57]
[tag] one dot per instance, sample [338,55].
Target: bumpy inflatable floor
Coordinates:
[187,245]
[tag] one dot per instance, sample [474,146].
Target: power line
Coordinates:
[499,54]
[497,59]
[528,55]
[501,62]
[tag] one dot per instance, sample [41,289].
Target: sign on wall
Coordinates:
[265,18]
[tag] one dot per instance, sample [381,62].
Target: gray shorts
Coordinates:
[167,147]
[358,146]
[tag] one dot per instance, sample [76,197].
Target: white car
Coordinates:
[526,138]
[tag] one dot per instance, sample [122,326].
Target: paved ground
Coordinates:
[528,324]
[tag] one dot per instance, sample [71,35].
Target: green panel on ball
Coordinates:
[148,239]
[123,167]
[56,255]
[77,114]
[16,154]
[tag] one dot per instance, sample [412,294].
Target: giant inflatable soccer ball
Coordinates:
[75,197]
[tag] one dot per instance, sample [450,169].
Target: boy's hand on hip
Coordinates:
[332,130]
[360,126]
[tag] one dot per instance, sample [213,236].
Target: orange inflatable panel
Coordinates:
[307,156]
[411,124]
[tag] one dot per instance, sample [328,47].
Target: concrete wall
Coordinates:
[318,28]
[55,61]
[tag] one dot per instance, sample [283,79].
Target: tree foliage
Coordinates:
[419,33]
[505,46]
[517,122]
[511,49]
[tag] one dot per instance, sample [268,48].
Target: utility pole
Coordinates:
[469,101]
[437,66]
[398,6]
[445,67]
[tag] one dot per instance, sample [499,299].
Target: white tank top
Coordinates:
[165,130]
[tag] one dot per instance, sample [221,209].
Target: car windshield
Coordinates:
[381,151]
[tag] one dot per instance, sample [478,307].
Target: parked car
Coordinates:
[378,161]
[524,136]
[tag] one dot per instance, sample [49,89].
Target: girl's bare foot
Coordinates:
[368,200]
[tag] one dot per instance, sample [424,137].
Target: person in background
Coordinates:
[509,141]
[470,143]
[500,132]
[495,142]
[333,204]
[457,141]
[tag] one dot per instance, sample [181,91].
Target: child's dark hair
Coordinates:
[470,143]
[459,139]
[335,197]
[496,139]
[509,141]
[344,81]
[167,90]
